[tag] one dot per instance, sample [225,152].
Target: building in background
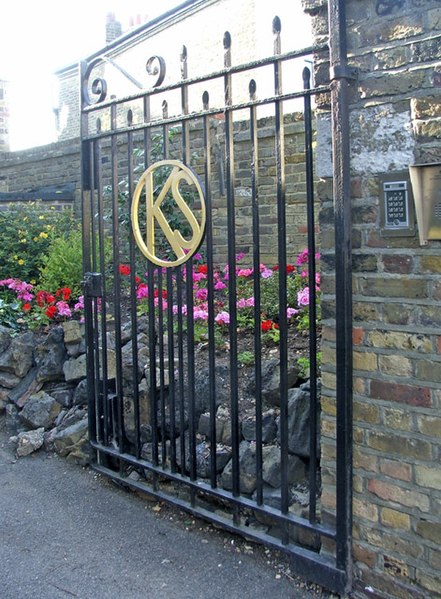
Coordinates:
[4,117]
[200,25]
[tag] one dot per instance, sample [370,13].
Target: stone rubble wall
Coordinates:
[395,115]
[44,397]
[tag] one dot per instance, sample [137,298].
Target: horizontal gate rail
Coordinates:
[231,70]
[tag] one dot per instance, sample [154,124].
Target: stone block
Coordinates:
[395,519]
[406,394]
[397,419]
[395,494]
[429,530]
[364,509]
[75,369]
[399,445]
[397,264]
[366,412]
[396,469]
[395,365]
[428,477]
[365,361]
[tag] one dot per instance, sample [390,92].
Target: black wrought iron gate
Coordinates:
[202,296]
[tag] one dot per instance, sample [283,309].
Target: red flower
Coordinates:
[156,293]
[276,268]
[289,269]
[137,280]
[124,269]
[64,293]
[44,298]
[26,307]
[202,268]
[267,325]
[51,311]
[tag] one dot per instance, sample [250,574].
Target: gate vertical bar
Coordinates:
[281,242]
[86,224]
[256,287]
[340,76]
[312,298]
[210,287]
[232,298]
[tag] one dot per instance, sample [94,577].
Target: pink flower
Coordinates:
[302,258]
[80,303]
[63,309]
[142,291]
[266,273]
[290,312]
[223,318]
[240,256]
[250,302]
[241,303]
[219,285]
[199,276]
[201,294]
[317,278]
[244,272]
[175,309]
[163,305]
[303,297]
[200,314]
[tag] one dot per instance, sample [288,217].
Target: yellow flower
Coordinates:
[21,262]
[43,235]
[35,239]
[15,257]
[33,282]
[41,217]
[23,240]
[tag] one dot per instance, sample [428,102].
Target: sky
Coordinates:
[39,37]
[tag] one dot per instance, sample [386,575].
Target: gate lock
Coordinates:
[93,284]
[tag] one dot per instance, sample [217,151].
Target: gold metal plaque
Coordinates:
[161,188]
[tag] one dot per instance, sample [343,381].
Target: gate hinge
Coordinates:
[340,71]
[93,284]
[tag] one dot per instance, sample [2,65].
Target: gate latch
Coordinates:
[93,284]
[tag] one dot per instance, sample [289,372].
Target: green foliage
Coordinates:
[10,309]
[62,265]
[246,358]
[269,293]
[27,232]
[304,365]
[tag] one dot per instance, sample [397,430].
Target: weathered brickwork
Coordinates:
[395,120]
[52,166]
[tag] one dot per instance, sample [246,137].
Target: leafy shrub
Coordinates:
[27,231]
[62,265]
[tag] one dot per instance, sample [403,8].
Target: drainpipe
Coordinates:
[341,75]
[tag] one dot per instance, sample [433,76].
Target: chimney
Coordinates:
[113,28]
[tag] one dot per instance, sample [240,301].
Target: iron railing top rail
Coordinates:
[87,69]
[179,119]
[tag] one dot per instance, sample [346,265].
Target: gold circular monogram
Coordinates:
[171,220]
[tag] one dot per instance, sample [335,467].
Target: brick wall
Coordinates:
[50,166]
[395,121]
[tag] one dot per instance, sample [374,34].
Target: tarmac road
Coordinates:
[66,532]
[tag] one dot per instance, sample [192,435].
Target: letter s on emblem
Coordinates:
[155,219]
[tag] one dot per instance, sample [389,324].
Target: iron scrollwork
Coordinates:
[155,67]
[98,87]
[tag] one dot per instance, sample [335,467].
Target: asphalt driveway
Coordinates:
[67,532]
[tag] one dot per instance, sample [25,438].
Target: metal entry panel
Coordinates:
[202,291]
